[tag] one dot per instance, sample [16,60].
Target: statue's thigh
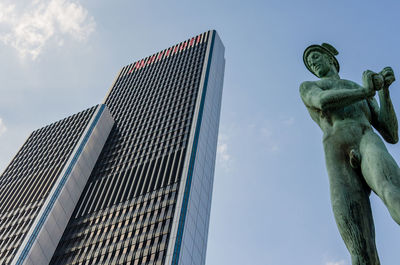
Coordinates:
[378,167]
[352,211]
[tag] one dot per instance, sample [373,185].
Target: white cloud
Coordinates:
[223,155]
[222,151]
[269,139]
[342,262]
[29,29]
[3,128]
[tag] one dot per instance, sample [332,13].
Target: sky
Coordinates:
[271,202]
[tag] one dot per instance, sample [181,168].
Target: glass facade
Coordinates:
[147,197]
[35,184]
[194,220]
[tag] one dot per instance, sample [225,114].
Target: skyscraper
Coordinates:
[148,197]
[41,186]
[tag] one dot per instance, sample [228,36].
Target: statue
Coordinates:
[356,158]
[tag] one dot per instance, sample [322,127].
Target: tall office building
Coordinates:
[41,186]
[147,199]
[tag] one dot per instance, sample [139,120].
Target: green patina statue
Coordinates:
[356,158]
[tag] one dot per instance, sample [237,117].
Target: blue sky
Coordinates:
[271,201]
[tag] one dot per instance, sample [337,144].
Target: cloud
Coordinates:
[269,139]
[342,262]
[3,128]
[223,156]
[29,29]
[222,151]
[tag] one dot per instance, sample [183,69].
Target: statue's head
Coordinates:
[320,59]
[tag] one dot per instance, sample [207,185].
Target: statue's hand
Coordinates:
[388,76]
[378,81]
[371,83]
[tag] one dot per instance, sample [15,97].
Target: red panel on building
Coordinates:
[191,42]
[183,45]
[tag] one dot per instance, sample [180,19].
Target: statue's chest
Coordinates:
[356,110]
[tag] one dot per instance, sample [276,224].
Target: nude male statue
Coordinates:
[356,158]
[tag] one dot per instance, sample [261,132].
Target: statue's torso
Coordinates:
[346,122]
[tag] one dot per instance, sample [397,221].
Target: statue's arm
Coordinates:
[384,117]
[315,97]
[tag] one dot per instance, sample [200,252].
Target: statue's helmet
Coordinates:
[324,48]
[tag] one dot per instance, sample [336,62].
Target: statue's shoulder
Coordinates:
[306,86]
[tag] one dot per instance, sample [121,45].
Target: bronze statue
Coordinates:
[356,158]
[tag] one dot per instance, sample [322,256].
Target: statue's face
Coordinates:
[319,63]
